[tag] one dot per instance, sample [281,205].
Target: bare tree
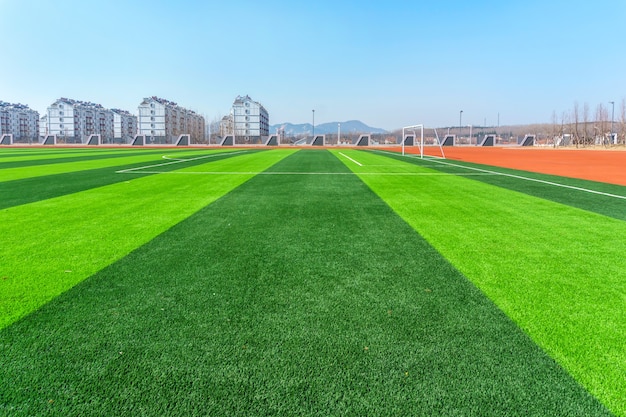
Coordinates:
[586,123]
[623,120]
[575,117]
[555,128]
[602,116]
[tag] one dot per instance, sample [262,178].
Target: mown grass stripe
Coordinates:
[556,270]
[63,158]
[50,245]
[29,190]
[539,185]
[291,295]
[11,174]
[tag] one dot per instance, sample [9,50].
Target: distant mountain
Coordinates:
[351,126]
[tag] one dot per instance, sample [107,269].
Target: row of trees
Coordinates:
[604,126]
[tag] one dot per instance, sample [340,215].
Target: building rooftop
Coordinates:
[80,103]
[16,106]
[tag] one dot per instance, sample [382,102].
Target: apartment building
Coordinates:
[19,121]
[250,119]
[162,121]
[74,121]
[124,126]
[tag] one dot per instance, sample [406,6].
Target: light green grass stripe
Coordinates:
[11,174]
[557,271]
[61,154]
[49,246]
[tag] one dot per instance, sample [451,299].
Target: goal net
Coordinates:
[422,140]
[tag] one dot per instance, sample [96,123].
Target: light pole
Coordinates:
[338,133]
[313,124]
[470,138]
[612,116]
[460,123]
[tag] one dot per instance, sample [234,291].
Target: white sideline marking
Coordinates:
[346,156]
[556,184]
[174,161]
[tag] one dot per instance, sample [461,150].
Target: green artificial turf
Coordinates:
[294,294]
[62,165]
[50,245]
[557,271]
[535,184]
[31,189]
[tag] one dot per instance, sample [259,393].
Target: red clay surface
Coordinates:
[607,166]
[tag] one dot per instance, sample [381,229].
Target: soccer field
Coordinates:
[306,282]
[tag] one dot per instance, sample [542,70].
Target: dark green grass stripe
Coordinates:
[597,203]
[29,190]
[10,151]
[66,158]
[292,295]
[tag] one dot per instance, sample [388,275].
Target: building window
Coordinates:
[60,126]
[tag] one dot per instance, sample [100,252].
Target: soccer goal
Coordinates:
[427,141]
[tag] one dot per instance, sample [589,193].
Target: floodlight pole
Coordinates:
[460,124]
[313,124]
[338,132]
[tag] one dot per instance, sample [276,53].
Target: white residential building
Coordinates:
[74,121]
[124,126]
[162,121]
[250,119]
[20,121]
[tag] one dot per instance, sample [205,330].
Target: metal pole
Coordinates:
[338,133]
[612,116]
[470,138]
[314,124]
[460,124]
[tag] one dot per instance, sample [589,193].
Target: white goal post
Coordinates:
[420,143]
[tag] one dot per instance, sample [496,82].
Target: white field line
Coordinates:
[555,184]
[346,156]
[174,161]
[410,174]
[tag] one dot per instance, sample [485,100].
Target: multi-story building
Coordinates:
[226,125]
[74,121]
[124,126]
[250,119]
[162,121]
[20,121]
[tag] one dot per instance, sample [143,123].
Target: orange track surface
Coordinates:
[595,165]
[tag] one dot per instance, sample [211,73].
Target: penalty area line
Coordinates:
[399,174]
[346,156]
[174,161]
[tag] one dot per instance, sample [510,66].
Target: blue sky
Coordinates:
[388,64]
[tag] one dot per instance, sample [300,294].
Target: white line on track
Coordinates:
[346,156]
[174,161]
[556,184]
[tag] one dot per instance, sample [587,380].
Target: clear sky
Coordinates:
[388,64]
